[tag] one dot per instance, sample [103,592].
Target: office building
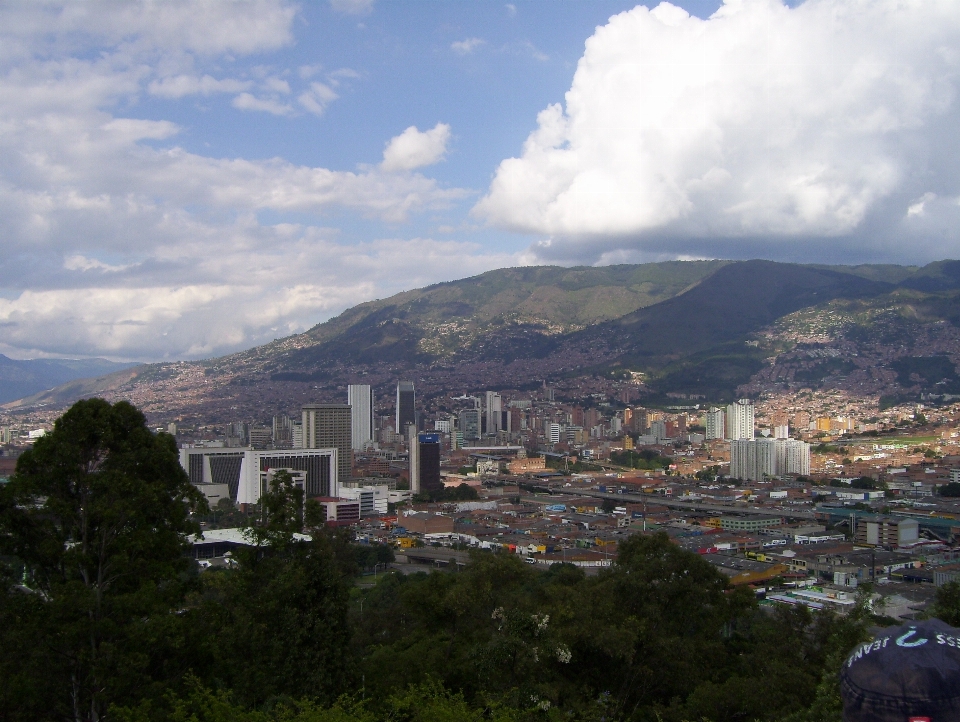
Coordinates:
[328,426]
[246,472]
[360,399]
[260,437]
[714,422]
[413,459]
[740,420]
[427,478]
[406,407]
[494,410]
[282,432]
[470,420]
[553,433]
[373,498]
[240,432]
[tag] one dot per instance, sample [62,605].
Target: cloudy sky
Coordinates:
[180,180]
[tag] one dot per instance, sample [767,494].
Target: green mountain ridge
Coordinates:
[709,328]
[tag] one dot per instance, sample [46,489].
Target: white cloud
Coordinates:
[82,263]
[317,97]
[763,123]
[180,85]
[245,101]
[413,149]
[352,7]
[206,28]
[119,242]
[200,317]
[465,47]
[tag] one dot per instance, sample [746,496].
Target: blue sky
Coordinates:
[185,179]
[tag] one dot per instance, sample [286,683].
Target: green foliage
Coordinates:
[826,449]
[946,604]
[952,489]
[97,515]
[645,459]
[367,556]
[867,482]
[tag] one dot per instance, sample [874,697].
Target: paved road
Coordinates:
[698,506]
[434,555]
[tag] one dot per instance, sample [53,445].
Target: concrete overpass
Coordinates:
[696,505]
[434,556]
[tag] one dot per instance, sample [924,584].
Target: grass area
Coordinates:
[907,439]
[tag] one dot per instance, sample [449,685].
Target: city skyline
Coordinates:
[183,181]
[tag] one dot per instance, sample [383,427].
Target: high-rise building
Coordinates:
[260,437]
[428,461]
[640,421]
[328,426]
[413,456]
[470,424]
[714,422]
[740,420]
[493,409]
[406,407]
[756,459]
[553,433]
[282,432]
[360,399]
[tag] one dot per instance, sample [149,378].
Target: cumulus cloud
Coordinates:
[413,149]
[821,124]
[119,241]
[465,47]
[246,101]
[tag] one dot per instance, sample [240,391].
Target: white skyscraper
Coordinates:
[715,423]
[493,409]
[360,399]
[756,459]
[553,432]
[740,420]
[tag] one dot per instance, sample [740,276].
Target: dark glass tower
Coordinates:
[406,406]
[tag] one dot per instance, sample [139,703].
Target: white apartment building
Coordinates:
[714,422]
[740,422]
[757,459]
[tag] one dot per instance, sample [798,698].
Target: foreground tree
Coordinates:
[277,625]
[93,527]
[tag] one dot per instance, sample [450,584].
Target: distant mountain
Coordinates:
[463,319]
[710,328]
[24,378]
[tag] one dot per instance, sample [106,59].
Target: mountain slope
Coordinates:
[708,328]
[457,319]
[23,378]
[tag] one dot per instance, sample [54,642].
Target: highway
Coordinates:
[696,505]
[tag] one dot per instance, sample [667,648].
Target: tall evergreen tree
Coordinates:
[93,526]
